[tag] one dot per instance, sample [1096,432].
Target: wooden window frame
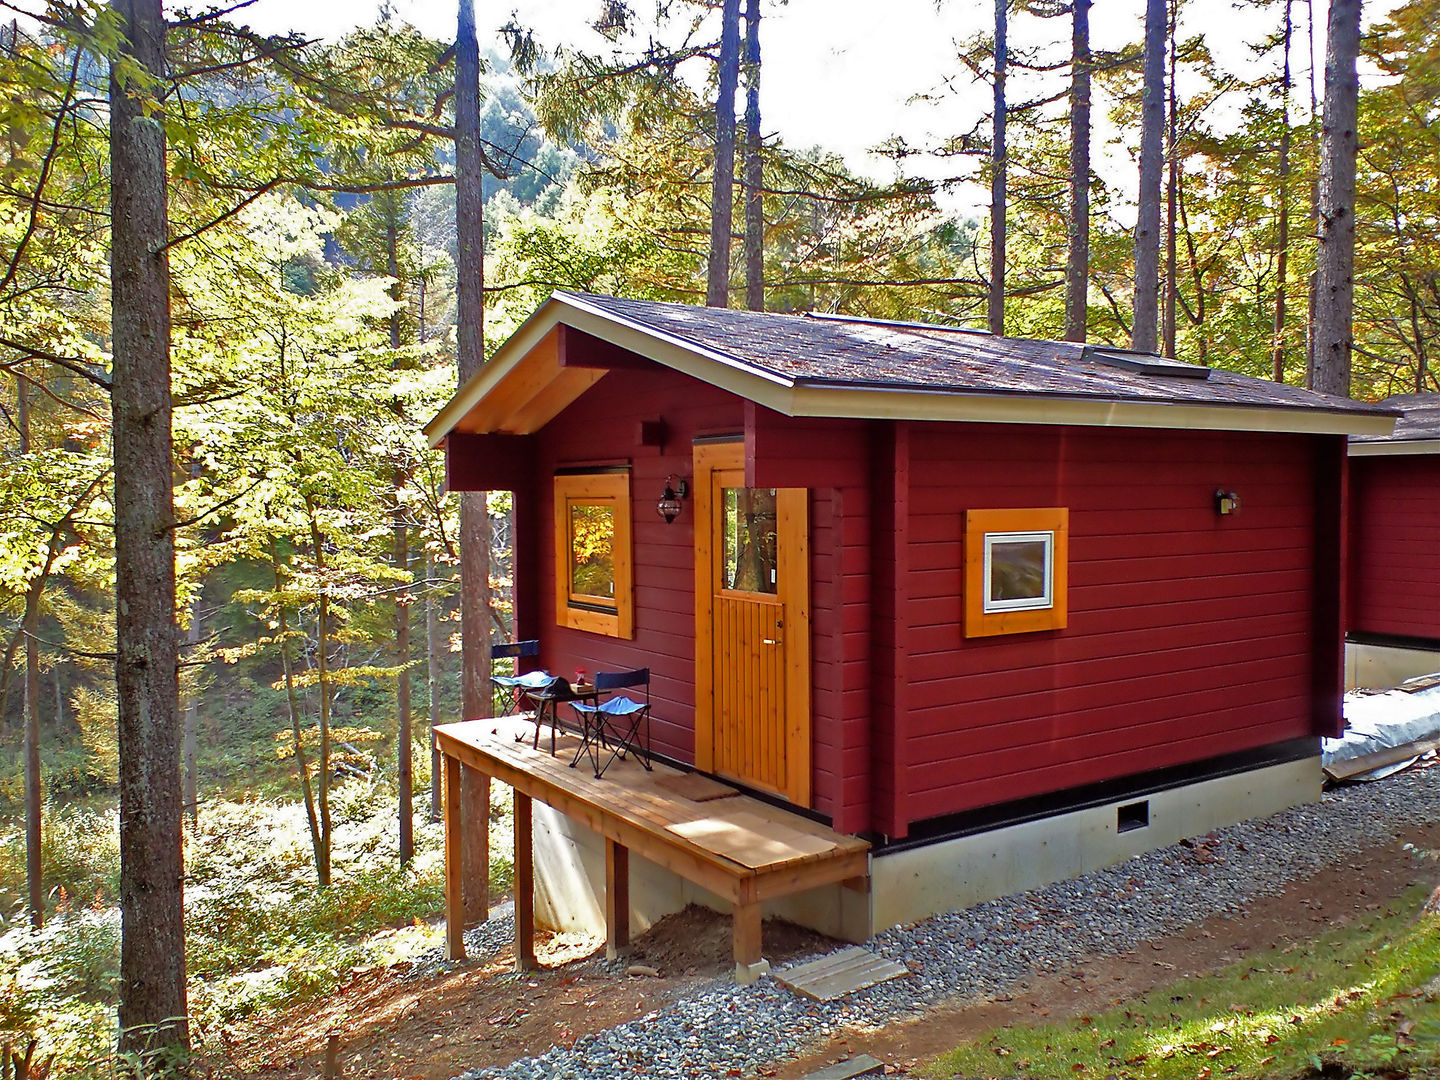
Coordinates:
[982,528]
[597,488]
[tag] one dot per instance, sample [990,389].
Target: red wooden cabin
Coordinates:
[1394,547]
[926,584]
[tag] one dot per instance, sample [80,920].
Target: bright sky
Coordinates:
[842,74]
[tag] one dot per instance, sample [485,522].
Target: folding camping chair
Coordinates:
[614,724]
[512,690]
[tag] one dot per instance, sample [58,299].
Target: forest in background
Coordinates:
[313,259]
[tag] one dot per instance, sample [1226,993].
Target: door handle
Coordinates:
[770,641]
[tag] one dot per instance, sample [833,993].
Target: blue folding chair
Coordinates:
[511,689]
[614,724]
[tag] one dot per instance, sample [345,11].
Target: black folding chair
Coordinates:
[615,723]
[510,690]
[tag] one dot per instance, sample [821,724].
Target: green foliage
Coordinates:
[1359,1000]
[80,858]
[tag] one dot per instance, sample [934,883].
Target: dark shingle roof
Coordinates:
[1420,419]
[825,351]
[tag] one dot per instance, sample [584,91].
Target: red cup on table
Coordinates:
[579,676]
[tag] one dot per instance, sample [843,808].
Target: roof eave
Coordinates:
[798,398]
[1394,447]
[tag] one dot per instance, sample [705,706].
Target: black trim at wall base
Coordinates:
[1393,641]
[1002,815]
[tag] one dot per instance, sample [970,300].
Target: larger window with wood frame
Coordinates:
[593,573]
[1016,570]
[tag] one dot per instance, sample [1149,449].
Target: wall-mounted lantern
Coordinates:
[1226,502]
[669,504]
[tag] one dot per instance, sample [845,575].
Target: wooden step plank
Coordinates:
[839,974]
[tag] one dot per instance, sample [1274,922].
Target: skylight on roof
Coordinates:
[1143,363]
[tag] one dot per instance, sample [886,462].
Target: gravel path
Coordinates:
[986,949]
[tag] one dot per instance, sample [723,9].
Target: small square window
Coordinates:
[592,553]
[1015,570]
[1019,571]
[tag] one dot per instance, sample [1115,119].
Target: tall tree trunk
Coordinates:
[1335,266]
[474,515]
[1314,194]
[322,677]
[1077,260]
[292,698]
[1147,225]
[754,166]
[34,877]
[34,797]
[404,764]
[999,166]
[722,188]
[1282,213]
[153,1007]
[432,678]
[1172,187]
[192,721]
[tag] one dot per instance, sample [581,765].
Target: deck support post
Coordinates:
[617,900]
[524,885]
[475,851]
[749,964]
[454,875]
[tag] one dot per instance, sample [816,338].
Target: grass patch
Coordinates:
[1360,1001]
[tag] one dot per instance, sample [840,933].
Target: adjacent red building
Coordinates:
[1394,547]
[925,583]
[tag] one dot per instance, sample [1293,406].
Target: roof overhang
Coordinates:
[1394,447]
[528,383]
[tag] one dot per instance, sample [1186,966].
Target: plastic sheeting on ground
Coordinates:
[1379,721]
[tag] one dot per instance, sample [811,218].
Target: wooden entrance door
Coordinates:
[752,633]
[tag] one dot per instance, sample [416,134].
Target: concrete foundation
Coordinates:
[1380,666]
[910,885]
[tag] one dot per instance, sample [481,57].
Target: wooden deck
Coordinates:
[737,847]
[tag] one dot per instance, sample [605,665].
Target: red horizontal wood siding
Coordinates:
[1394,533]
[1190,634]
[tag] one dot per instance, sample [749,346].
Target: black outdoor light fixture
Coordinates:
[1226,502]
[669,505]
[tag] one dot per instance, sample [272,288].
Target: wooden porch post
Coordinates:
[749,964]
[524,885]
[475,850]
[617,899]
[454,868]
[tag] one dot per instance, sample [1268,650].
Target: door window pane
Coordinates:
[592,551]
[750,543]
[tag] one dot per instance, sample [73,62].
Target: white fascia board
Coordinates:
[1080,412]
[1395,448]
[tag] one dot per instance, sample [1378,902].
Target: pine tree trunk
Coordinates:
[1077,261]
[192,721]
[474,516]
[293,699]
[30,703]
[432,676]
[722,188]
[1172,186]
[34,796]
[754,166]
[404,764]
[999,165]
[1147,226]
[153,1007]
[1335,266]
[322,676]
[1282,213]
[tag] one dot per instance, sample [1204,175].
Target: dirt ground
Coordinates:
[481,1013]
